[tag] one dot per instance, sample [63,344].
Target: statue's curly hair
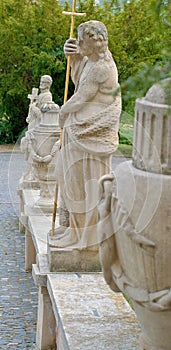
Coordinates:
[47,79]
[94,29]
[97,31]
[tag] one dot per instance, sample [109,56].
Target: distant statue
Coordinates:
[90,121]
[39,103]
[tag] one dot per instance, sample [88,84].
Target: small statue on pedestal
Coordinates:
[38,104]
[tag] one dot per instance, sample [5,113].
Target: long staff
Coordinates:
[72,14]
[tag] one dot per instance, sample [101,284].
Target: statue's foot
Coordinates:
[66,240]
[93,248]
[86,246]
[89,242]
[59,231]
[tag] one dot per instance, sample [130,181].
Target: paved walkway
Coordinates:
[18,295]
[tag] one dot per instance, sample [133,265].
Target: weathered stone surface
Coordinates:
[135,221]
[152,145]
[38,226]
[39,144]
[46,325]
[71,259]
[89,316]
[90,121]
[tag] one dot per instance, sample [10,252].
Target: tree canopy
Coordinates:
[32,35]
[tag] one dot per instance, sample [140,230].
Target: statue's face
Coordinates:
[86,45]
[44,84]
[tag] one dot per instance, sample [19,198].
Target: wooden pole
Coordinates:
[54,210]
[72,14]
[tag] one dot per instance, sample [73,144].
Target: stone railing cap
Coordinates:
[160,93]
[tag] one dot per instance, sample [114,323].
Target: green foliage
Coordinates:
[32,37]
[124,150]
[155,64]
[126,135]
[32,34]
[5,129]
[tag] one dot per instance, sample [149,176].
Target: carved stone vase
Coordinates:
[135,221]
[46,135]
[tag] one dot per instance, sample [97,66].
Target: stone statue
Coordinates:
[134,228]
[34,116]
[90,121]
[39,104]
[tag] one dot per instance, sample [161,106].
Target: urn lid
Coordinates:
[160,93]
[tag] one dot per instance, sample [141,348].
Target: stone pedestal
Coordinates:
[26,184]
[71,259]
[46,135]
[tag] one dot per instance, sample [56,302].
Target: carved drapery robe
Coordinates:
[90,136]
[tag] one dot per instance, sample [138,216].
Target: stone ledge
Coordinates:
[39,227]
[24,220]
[40,279]
[32,204]
[89,315]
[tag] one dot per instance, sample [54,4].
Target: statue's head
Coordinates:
[95,34]
[45,82]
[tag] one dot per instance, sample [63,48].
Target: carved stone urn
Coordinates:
[46,135]
[135,220]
